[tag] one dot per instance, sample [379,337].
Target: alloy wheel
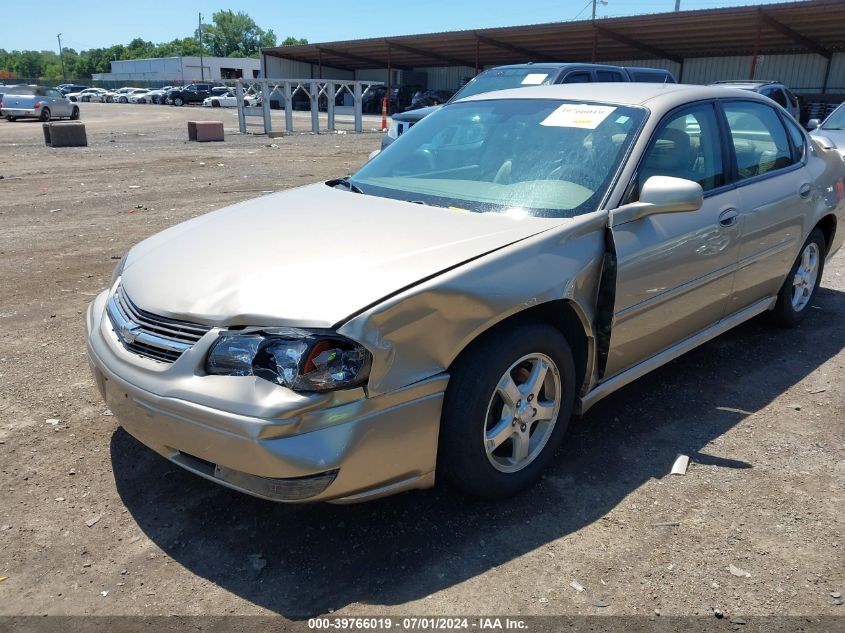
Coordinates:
[806,276]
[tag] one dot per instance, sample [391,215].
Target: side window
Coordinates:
[53,93]
[792,99]
[578,78]
[797,138]
[759,139]
[609,75]
[778,97]
[687,146]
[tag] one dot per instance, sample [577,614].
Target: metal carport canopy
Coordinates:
[812,26]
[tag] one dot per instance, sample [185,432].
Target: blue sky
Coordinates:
[97,23]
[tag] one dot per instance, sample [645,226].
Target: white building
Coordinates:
[180,69]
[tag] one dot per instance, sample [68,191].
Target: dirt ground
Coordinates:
[92,522]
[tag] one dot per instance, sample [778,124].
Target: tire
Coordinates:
[123,100]
[178,101]
[799,289]
[215,103]
[74,114]
[472,454]
[45,115]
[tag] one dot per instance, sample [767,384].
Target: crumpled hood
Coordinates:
[309,257]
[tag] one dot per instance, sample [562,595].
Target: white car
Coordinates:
[85,95]
[229,100]
[138,96]
[121,95]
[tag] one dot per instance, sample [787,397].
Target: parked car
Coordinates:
[774,90]
[193,93]
[98,95]
[516,256]
[430,98]
[139,96]
[37,102]
[84,95]
[524,75]
[66,89]
[229,100]
[121,95]
[157,96]
[831,129]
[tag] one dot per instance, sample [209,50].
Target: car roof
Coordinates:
[653,95]
[553,65]
[745,84]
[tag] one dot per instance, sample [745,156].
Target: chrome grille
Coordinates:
[149,335]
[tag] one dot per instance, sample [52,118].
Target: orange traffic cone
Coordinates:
[384,114]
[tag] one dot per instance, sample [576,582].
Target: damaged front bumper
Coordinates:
[248,434]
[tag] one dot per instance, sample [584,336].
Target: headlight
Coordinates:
[118,270]
[301,360]
[393,129]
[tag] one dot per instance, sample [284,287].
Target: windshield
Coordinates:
[542,157]
[503,78]
[835,121]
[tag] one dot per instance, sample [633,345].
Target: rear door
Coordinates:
[58,104]
[776,191]
[675,271]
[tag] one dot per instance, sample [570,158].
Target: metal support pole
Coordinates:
[239,95]
[826,75]
[288,107]
[389,79]
[595,41]
[315,106]
[357,96]
[477,43]
[265,106]
[320,58]
[330,96]
[756,47]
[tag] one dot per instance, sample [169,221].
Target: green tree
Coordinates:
[236,33]
[293,41]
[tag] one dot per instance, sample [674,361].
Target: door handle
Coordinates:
[728,217]
[805,191]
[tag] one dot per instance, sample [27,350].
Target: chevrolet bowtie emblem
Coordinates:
[130,332]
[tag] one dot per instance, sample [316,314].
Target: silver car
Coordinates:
[831,132]
[37,102]
[514,258]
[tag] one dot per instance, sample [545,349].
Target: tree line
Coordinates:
[228,35]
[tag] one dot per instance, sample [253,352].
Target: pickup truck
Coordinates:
[530,74]
[194,93]
[36,102]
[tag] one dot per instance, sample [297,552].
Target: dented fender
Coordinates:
[419,332]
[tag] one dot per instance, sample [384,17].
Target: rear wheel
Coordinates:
[506,410]
[178,101]
[45,114]
[799,289]
[74,114]
[215,103]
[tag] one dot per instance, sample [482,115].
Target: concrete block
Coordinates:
[65,134]
[204,131]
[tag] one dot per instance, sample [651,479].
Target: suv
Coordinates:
[530,74]
[774,90]
[194,93]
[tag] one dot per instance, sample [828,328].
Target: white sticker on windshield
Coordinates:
[581,115]
[534,79]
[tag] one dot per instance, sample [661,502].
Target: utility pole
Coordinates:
[62,56]
[595,2]
[202,70]
[677,5]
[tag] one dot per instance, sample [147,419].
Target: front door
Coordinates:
[675,271]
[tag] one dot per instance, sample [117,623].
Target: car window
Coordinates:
[53,93]
[792,98]
[686,146]
[578,78]
[778,97]
[609,75]
[540,157]
[759,138]
[797,138]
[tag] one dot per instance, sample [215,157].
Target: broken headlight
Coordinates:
[301,360]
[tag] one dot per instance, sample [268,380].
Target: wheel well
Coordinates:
[827,225]
[562,315]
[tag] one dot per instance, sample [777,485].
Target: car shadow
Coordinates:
[301,561]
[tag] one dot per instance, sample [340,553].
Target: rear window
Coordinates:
[503,78]
[25,90]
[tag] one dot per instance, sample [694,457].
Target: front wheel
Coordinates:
[45,115]
[74,114]
[799,289]
[506,410]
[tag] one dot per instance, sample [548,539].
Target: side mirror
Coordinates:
[813,124]
[661,194]
[374,153]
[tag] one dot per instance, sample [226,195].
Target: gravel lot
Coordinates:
[85,509]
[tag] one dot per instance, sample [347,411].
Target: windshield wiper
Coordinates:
[346,183]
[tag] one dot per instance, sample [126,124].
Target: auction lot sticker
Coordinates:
[581,115]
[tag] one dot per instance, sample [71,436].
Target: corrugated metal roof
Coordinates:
[793,27]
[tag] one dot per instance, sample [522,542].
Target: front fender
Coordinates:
[419,332]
